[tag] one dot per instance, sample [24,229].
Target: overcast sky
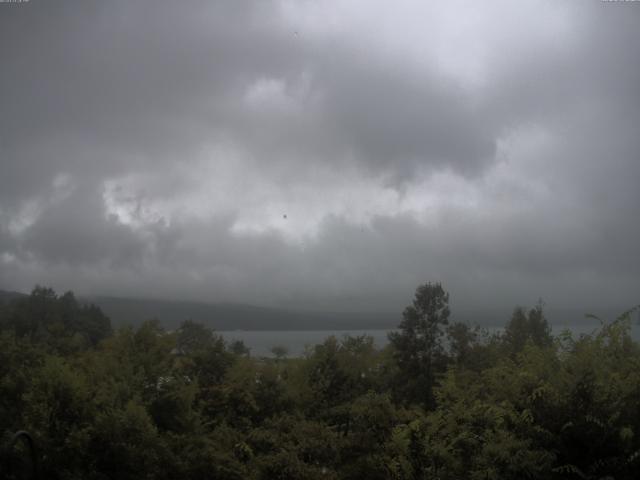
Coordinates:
[322,154]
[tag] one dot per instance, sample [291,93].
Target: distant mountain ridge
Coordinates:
[230,316]
[226,316]
[7,296]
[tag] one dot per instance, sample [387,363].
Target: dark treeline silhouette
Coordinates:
[443,400]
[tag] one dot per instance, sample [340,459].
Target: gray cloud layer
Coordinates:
[153,148]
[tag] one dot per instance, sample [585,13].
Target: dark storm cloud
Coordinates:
[77,230]
[102,89]
[397,122]
[96,94]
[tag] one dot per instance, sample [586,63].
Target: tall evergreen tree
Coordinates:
[418,349]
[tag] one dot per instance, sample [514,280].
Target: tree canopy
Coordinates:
[442,400]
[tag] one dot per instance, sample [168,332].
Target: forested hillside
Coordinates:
[229,316]
[444,400]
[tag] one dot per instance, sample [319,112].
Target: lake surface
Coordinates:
[295,341]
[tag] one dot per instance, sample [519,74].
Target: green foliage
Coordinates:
[19,360]
[147,403]
[60,322]
[418,348]
[58,412]
[125,444]
[293,447]
[279,352]
[523,328]
[237,347]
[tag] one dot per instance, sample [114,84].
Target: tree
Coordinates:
[125,444]
[194,337]
[418,345]
[462,339]
[238,347]
[527,327]
[280,352]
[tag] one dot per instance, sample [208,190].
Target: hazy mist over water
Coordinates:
[261,342]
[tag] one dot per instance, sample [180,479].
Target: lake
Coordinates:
[295,341]
[261,341]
